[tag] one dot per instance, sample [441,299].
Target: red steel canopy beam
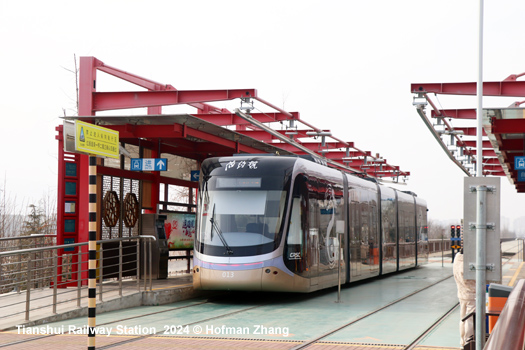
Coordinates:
[512,145]
[486,144]
[493,167]
[343,156]
[383,173]
[369,163]
[102,170]
[469,131]
[300,133]
[508,126]
[491,161]
[511,88]
[228,118]
[129,77]
[148,84]
[264,136]
[177,131]
[489,153]
[494,173]
[454,113]
[104,101]
[314,146]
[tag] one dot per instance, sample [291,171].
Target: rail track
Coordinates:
[227,299]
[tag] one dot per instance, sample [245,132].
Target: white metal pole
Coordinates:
[481,193]
[481,265]
[479,92]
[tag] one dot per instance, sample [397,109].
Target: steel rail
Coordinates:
[408,347]
[423,335]
[337,329]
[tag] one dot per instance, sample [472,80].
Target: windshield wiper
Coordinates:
[214,225]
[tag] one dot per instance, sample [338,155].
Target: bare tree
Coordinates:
[178,194]
[41,218]
[11,216]
[435,229]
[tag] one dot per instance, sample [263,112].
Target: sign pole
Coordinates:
[481,224]
[92,274]
[93,140]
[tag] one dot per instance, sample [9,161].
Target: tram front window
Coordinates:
[240,222]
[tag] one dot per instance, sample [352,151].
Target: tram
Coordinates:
[291,224]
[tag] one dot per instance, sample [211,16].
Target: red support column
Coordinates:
[87,87]
[60,199]
[67,207]
[155,186]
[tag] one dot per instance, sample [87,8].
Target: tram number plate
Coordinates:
[228,274]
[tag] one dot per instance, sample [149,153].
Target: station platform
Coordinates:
[163,291]
[229,320]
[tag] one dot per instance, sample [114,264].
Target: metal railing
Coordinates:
[438,245]
[26,242]
[50,276]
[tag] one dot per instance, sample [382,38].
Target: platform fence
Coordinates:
[54,275]
[27,242]
[439,245]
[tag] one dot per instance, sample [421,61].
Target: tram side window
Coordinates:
[422,224]
[355,230]
[365,223]
[373,237]
[295,234]
[313,208]
[295,252]
[402,228]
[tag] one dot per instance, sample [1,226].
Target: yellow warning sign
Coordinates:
[94,139]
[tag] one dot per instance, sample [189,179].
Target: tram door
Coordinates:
[313,232]
[313,253]
[355,240]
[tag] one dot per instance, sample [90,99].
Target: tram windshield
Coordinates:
[240,216]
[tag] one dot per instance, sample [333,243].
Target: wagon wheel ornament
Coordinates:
[111,209]
[131,209]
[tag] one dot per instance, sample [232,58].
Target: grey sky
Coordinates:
[344,65]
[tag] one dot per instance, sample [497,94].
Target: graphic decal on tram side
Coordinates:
[329,209]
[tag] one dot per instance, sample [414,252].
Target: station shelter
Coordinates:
[503,132]
[124,196]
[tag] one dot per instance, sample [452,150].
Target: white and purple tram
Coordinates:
[286,223]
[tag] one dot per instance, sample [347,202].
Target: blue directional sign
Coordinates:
[195,175]
[149,164]
[519,163]
[521,176]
